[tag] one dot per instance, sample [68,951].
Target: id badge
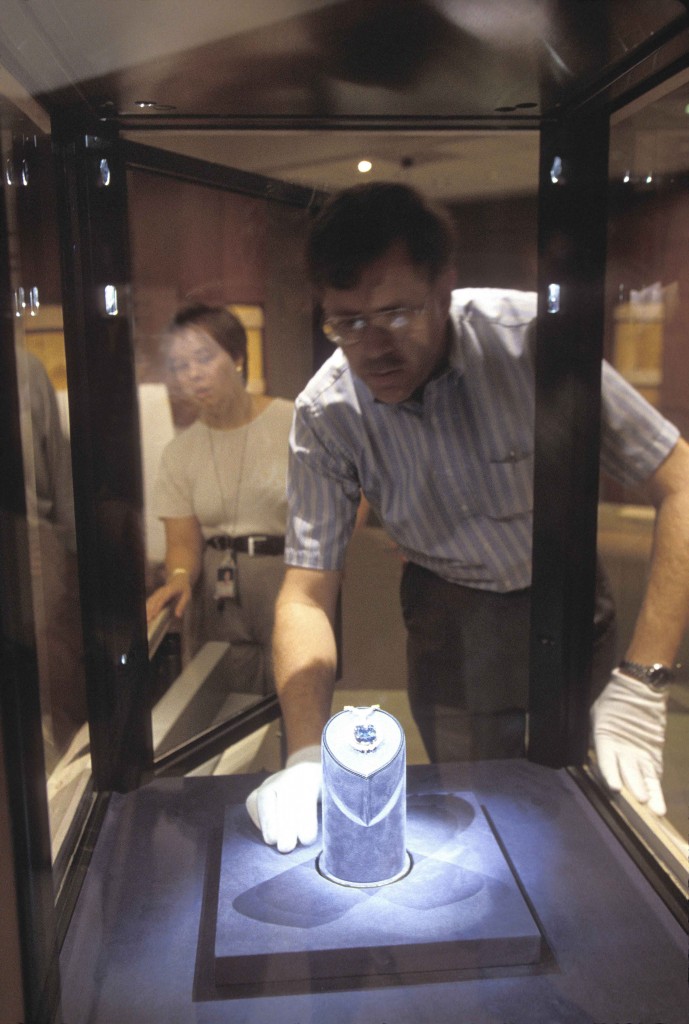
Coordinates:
[226,579]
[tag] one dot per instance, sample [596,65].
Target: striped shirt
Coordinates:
[450,475]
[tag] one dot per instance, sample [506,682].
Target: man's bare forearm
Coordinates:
[305,654]
[663,616]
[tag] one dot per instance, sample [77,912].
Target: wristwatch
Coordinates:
[657,676]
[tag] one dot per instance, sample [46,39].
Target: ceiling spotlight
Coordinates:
[153,105]
[364,166]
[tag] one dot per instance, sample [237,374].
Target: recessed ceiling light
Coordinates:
[153,105]
[364,166]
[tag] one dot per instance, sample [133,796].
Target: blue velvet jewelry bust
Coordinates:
[364,798]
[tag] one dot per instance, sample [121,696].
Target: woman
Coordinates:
[220,492]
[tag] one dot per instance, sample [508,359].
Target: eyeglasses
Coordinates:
[349,330]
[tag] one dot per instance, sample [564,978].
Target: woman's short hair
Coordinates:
[357,226]
[218,322]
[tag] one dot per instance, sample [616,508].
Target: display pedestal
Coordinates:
[460,907]
[364,798]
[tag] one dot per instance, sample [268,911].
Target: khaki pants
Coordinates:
[246,623]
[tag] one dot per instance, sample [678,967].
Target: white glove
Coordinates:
[285,806]
[629,720]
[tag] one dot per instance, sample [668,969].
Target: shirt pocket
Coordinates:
[508,485]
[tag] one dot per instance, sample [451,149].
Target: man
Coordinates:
[427,409]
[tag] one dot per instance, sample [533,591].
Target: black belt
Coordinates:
[255,544]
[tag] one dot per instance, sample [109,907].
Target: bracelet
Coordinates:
[176,572]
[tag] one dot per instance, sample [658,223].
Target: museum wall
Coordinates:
[648,242]
[192,242]
[497,242]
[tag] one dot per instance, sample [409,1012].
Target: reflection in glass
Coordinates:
[42,388]
[55,590]
[647,328]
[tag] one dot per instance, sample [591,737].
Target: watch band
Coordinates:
[657,675]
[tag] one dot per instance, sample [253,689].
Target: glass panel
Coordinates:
[43,391]
[647,339]
[191,242]
[224,433]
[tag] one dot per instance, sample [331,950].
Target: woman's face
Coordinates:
[203,371]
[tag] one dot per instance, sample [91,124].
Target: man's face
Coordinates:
[394,363]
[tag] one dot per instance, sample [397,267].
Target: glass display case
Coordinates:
[143,176]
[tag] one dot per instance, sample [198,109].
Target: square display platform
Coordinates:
[460,907]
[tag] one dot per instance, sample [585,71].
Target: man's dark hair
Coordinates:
[222,325]
[358,225]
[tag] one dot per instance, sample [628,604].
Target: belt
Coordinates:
[255,544]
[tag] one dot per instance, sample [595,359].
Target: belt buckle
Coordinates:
[251,544]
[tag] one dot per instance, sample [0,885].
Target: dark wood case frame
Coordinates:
[571,256]
[104,438]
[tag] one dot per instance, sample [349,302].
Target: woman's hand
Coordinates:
[183,550]
[177,591]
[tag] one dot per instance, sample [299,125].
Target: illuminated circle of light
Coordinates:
[364,166]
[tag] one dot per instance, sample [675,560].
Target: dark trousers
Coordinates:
[468,664]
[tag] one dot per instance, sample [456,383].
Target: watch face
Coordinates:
[655,675]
